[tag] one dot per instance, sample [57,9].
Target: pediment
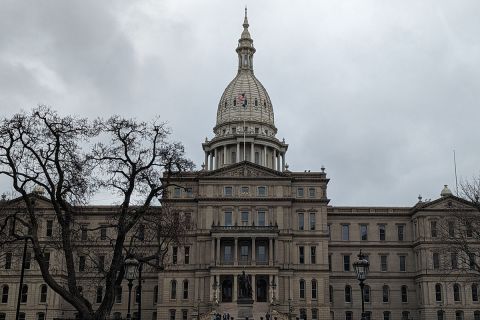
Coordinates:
[245,169]
[446,203]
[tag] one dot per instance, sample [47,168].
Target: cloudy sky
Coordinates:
[379,92]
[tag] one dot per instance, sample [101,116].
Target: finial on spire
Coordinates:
[245,20]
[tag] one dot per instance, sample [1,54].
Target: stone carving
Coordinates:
[245,286]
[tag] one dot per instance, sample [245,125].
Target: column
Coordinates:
[270,289]
[252,152]
[215,162]
[235,252]
[254,251]
[211,160]
[197,288]
[283,161]
[212,253]
[290,288]
[254,288]
[265,156]
[218,251]
[235,288]
[206,160]
[212,293]
[270,251]
[275,252]
[224,154]
[238,152]
[278,161]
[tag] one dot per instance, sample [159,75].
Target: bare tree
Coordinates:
[44,153]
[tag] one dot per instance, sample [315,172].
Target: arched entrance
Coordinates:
[262,288]
[226,284]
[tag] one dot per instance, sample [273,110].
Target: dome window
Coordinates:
[225,103]
[234,102]
[256,102]
[265,104]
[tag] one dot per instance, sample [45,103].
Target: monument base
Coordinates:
[245,309]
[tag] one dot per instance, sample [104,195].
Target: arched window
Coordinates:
[385,294]
[330,291]
[366,294]
[3,316]
[5,290]
[302,289]
[404,292]
[456,292]
[43,293]
[458,315]
[155,294]
[173,289]
[386,315]
[314,289]
[476,315]
[438,292]
[40,316]
[348,294]
[440,315]
[185,289]
[24,295]
[474,292]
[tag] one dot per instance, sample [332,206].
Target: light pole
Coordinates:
[361,269]
[131,272]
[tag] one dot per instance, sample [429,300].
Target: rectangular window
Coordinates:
[454,260]
[184,314]
[471,261]
[81,263]
[174,255]
[186,259]
[262,191]
[348,315]
[244,218]
[329,230]
[346,263]
[8,261]
[314,314]
[83,233]
[381,232]
[300,192]
[189,192]
[228,191]
[177,192]
[262,254]
[311,192]
[383,263]
[345,232]
[99,295]
[261,218]
[451,229]
[103,232]
[363,232]
[141,232]
[301,254]
[401,232]
[228,219]
[403,266]
[234,154]
[329,262]
[312,221]
[433,229]
[227,254]
[386,315]
[257,157]
[101,263]
[172,314]
[28,260]
[244,190]
[436,261]
[118,294]
[244,253]
[49,228]
[301,221]
[313,255]
[47,259]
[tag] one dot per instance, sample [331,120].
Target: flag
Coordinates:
[242,99]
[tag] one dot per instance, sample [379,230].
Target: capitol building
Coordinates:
[251,214]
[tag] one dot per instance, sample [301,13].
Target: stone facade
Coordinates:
[250,213]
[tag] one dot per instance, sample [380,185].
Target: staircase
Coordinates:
[260,309]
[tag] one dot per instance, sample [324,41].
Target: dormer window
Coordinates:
[256,102]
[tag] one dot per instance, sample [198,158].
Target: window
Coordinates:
[46,257]
[346,263]
[43,293]
[302,289]
[471,261]
[348,315]
[177,192]
[454,260]
[81,263]
[8,261]
[3,316]
[141,232]
[83,233]
[363,232]
[475,292]
[404,293]
[438,292]
[436,260]
[458,315]
[244,218]
[228,191]
[300,192]
[173,289]
[440,315]
[244,253]
[345,232]
[381,232]
[174,255]
[385,294]
[117,315]
[383,263]
[99,295]
[313,255]
[118,294]
[314,314]
[24,294]
[366,294]
[155,294]
[368,315]
[40,316]
[433,229]
[456,292]
[257,157]
[405,315]
[234,154]
[476,315]
[5,290]
[386,315]
[312,221]
[403,266]
[261,218]
[186,258]
[311,192]
[301,254]
[227,253]
[301,221]
[22,316]
[184,314]
[401,232]
[189,192]
[451,229]
[103,232]
[228,219]
[101,263]
[348,294]
[28,260]
[244,190]
[314,289]
[262,253]
[172,311]
[329,262]
[330,293]
[49,231]
[262,191]
[185,289]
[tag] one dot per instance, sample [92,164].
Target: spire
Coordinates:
[245,47]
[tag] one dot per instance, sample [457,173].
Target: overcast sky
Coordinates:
[379,92]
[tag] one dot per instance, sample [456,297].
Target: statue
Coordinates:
[245,286]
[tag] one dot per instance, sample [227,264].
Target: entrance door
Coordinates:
[227,284]
[262,288]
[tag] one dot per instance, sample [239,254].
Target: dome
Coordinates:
[446,191]
[245,98]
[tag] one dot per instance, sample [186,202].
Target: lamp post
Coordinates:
[361,269]
[131,271]
[273,285]
[215,293]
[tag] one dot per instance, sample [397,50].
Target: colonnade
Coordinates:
[220,243]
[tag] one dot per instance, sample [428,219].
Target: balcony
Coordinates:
[245,229]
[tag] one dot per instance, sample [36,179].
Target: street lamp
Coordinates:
[361,269]
[273,285]
[131,272]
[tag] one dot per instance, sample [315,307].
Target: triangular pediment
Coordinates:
[245,169]
[449,203]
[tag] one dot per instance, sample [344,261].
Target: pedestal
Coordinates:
[245,308]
